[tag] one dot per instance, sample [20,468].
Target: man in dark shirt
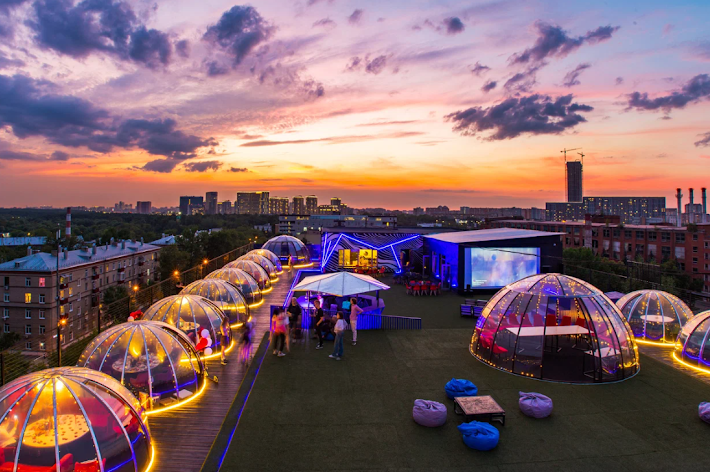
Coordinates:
[294,312]
[320,324]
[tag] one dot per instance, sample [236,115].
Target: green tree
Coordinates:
[172,259]
[116,292]
[7,340]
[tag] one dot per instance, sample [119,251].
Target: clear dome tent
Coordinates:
[289,248]
[654,316]
[264,263]
[223,294]
[255,270]
[190,314]
[555,327]
[243,281]
[154,360]
[270,256]
[57,419]
[693,345]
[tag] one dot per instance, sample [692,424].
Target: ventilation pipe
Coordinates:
[704,199]
[691,219]
[679,197]
[67,233]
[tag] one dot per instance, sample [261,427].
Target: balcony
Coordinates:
[95,290]
[95,276]
[121,270]
[141,263]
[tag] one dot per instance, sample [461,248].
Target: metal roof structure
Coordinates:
[23,241]
[165,240]
[483,235]
[46,262]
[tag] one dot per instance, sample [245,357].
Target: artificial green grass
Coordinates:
[311,413]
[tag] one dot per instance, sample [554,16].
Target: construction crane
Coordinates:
[581,154]
[565,151]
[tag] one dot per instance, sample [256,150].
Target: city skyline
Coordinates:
[383,105]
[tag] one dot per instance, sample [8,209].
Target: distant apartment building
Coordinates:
[191,205]
[418,211]
[211,203]
[143,208]
[311,204]
[631,210]
[252,203]
[297,224]
[298,205]
[225,208]
[575,191]
[122,207]
[278,205]
[630,242]
[336,201]
[437,211]
[29,288]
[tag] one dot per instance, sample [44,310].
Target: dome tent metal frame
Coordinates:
[225,295]
[170,347]
[89,408]
[289,250]
[243,281]
[691,348]
[648,310]
[558,328]
[265,264]
[271,257]
[256,271]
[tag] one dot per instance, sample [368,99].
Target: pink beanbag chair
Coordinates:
[535,405]
[429,413]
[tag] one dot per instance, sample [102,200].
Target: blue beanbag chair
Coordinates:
[460,388]
[704,411]
[479,436]
[535,405]
[429,413]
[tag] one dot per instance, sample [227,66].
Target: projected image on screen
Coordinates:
[497,267]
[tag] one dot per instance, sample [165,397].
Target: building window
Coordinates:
[639,234]
[71,291]
[6,328]
[665,237]
[5,313]
[28,282]
[7,279]
[652,236]
[695,237]
[28,298]
[71,307]
[28,314]
[86,273]
[680,237]
[71,335]
[42,346]
[28,345]
[41,298]
[28,329]
[695,248]
[6,297]
[627,234]
[665,252]
[41,314]
[695,260]
[617,232]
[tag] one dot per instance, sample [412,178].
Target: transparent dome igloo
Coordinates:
[555,327]
[264,263]
[57,419]
[693,344]
[255,270]
[270,256]
[190,314]
[154,360]
[289,248]
[654,316]
[243,281]
[223,294]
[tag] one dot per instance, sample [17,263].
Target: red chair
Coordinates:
[550,320]
[410,289]
[417,290]
[566,321]
[426,288]
[581,322]
[382,271]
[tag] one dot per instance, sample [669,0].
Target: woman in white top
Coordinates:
[354,311]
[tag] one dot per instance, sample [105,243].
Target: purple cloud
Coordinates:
[489,85]
[355,17]
[693,91]
[535,114]
[376,65]
[202,166]
[325,22]
[238,169]
[524,81]
[572,77]
[619,80]
[704,141]
[479,69]
[453,25]
[183,48]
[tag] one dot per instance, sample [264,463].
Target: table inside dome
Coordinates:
[135,366]
[40,433]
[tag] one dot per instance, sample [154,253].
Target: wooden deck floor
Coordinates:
[665,355]
[182,437]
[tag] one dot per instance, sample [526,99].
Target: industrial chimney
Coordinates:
[690,207]
[704,199]
[67,233]
[679,197]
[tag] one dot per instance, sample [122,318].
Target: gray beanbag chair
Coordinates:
[535,405]
[704,411]
[429,413]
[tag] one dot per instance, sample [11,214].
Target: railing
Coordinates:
[16,361]
[369,321]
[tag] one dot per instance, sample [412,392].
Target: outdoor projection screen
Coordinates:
[496,267]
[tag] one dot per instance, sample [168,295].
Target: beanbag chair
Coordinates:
[704,411]
[429,413]
[479,436]
[535,405]
[460,388]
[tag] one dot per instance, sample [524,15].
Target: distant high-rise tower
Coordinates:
[311,204]
[574,181]
[252,203]
[299,205]
[211,203]
[143,208]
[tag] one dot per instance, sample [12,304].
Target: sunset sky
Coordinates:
[391,103]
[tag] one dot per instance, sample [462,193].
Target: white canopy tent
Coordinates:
[340,284]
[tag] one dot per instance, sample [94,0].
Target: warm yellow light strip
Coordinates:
[152,458]
[654,343]
[279,272]
[690,366]
[217,354]
[268,290]
[239,324]
[275,279]
[254,305]
[178,405]
[301,266]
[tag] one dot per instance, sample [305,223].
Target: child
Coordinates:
[340,326]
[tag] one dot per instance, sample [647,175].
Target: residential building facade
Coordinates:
[297,224]
[252,203]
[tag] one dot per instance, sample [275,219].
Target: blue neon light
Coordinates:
[363,243]
[296,279]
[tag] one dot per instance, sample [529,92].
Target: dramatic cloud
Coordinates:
[6,5]
[7,29]
[7,155]
[288,78]
[237,33]
[535,114]
[523,82]
[572,77]
[704,141]
[453,25]
[354,64]
[151,47]
[59,156]
[183,48]
[697,88]
[553,41]
[355,17]
[160,137]
[326,22]
[376,65]
[619,80]
[489,85]
[479,69]
[238,169]
[6,62]
[202,166]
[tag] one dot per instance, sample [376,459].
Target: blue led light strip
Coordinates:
[391,245]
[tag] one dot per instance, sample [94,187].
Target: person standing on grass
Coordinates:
[319,323]
[279,329]
[354,311]
[224,334]
[340,327]
[294,312]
